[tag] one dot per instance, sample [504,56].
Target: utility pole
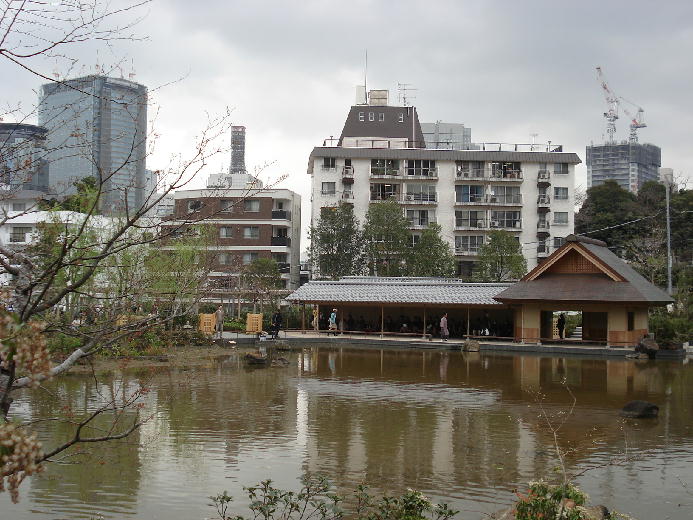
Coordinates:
[667,180]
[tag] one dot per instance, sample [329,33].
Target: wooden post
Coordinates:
[303,318]
[382,322]
[467,322]
[424,326]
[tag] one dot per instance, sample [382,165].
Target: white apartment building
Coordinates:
[468,193]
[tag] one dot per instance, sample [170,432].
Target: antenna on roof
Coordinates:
[365,78]
[403,95]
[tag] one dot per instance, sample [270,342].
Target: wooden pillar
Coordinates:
[382,322]
[424,325]
[303,318]
[467,322]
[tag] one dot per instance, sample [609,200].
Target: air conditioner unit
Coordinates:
[409,197]
[495,223]
[479,223]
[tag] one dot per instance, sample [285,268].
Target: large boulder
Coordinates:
[470,345]
[640,410]
[647,346]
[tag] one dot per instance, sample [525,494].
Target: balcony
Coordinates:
[348,175]
[543,226]
[281,214]
[375,197]
[543,202]
[467,250]
[418,223]
[505,200]
[462,224]
[508,225]
[474,200]
[384,172]
[413,174]
[419,198]
[542,251]
[472,174]
[543,178]
[506,175]
[280,241]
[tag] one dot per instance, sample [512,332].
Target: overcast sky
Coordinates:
[288,70]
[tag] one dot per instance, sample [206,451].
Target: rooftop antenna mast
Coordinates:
[365,78]
[403,95]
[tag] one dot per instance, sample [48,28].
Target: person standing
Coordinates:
[444,333]
[276,323]
[219,325]
[333,322]
[561,325]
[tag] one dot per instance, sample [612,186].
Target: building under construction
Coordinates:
[629,164]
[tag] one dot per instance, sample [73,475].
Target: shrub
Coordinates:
[546,501]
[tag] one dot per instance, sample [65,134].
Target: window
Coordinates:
[251,206]
[19,233]
[347,163]
[631,321]
[468,244]
[371,116]
[362,116]
[226,205]
[507,194]
[560,217]
[506,219]
[19,206]
[251,232]
[506,170]
[420,217]
[558,242]
[470,218]
[381,117]
[415,239]
[469,193]
[560,169]
[329,163]
[225,258]
[384,191]
[194,206]
[401,117]
[280,205]
[421,167]
[249,258]
[470,169]
[328,188]
[225,232]
[384,167]
[421,193]
[560,193]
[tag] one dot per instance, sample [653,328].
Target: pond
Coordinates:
[465,428]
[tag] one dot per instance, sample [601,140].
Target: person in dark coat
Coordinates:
[561,325]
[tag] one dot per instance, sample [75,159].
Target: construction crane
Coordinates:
[636,121]
[612,103]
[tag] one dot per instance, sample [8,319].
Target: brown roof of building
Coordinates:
[617,282]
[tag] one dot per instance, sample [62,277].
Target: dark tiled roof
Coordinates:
[445,155]
[587,287]
[377,290]
[389,127]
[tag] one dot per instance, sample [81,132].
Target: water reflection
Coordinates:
[465,427]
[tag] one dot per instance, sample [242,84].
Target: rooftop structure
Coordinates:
[447,136]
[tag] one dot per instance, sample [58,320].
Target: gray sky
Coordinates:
[506,69]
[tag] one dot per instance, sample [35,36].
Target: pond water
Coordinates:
[465,428]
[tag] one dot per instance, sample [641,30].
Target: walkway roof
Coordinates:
[398,291]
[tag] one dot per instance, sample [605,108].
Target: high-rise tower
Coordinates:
[97,126]
[237,150]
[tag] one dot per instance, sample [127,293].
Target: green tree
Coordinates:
[387,239]
[431,255]
[500,259]
[83,200]
[336,247]
[260,278]
[608,205]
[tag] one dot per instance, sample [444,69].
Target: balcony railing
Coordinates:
[384,196]
[281,214]
[506,175]
[421,173]
[543,200]
[280,241]
[467,250]
[348,171]
[420,198]
[418,223]
[515,225]
[543,225]
[508,200]
[473,199]
[463,223]
[472,173]
[543,176]
[384,171]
